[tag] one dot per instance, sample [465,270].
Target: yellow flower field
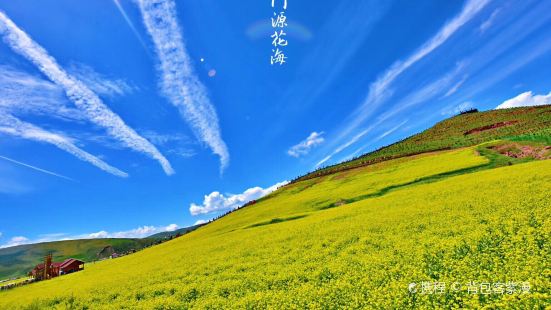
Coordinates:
[357,239]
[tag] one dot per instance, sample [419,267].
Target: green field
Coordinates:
[356,239]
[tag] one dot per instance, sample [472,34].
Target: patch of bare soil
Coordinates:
[488,127]
[339,203]
[517,150]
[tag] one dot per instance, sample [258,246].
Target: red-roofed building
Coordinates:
[56,269]
[70,265]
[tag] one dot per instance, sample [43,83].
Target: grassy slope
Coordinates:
[532,124]
[18,260]
[298,248]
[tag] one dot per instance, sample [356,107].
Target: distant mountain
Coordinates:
[169,234]
[18,260]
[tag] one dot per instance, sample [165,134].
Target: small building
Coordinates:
[70,265]
[40,272]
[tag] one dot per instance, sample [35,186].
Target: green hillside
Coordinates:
[17,261]
[357,238]
[526,124]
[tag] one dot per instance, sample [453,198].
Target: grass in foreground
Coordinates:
[289,251]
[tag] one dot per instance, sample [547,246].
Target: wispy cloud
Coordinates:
[23,94]
[391,130]
[13,126]
[420,95]
[159,138]
[381,85]
[215,201]
[489,22]
[174,143]
[178,79]
[348,143]
[358,137]
[36,168]
[455,87]
[526,99]
[81,95]
[304,146]
[380,89]
[378,138]
[348,25]
[99,83]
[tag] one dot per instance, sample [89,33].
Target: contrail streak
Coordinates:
[37,169]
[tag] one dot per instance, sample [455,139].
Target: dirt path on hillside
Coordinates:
[517,150]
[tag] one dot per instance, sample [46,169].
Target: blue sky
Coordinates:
[125,118]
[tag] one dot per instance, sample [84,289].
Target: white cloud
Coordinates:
[304,147]
[15,127]
[215,201]
[19,240]
[140,232]
[179,82]
[199,222]
[380,90]
[526,99]
[81,95]
[171,227]
[96,235]
[100,83]
[23,94]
